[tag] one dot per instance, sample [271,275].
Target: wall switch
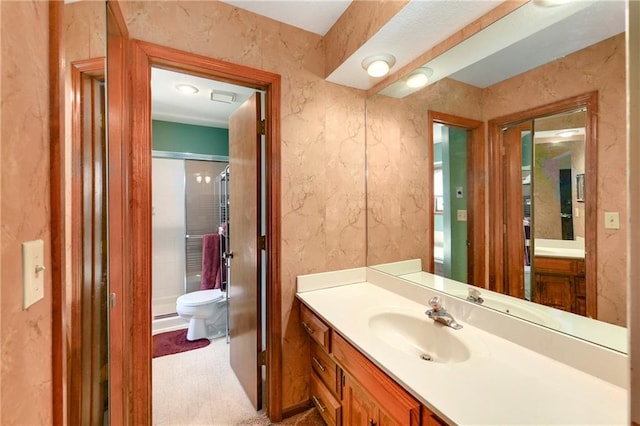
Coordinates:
[32,272]
[462,215]
[611,220]
[459,192]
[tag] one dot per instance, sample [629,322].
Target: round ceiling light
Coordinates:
[378,65]
[419,77]
[187,89]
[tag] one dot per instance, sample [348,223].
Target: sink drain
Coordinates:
[426,357]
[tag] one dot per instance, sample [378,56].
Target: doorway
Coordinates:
[135,196]
[458,206]
[207,216]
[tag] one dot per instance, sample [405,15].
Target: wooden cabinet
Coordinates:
[560,283]
[368,390]
[348,389]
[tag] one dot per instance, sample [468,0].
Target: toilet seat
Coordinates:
[200,297]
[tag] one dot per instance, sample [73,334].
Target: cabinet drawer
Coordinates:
[328,406]
[315,327]
[325,368]
[559,265]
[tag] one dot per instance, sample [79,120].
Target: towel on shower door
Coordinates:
[210,262]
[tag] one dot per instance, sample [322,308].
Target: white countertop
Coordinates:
[501,383]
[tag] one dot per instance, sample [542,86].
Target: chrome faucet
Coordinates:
[474,296]
[439,313]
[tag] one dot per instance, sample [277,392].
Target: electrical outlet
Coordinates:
[461,215]
[32,272]
[611,220]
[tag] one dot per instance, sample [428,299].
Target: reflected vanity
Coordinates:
[537,199]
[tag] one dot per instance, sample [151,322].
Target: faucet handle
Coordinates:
[435,304]
[474,292]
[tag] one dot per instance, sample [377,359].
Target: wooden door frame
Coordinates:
[57,199]
[143,56]
[497,262]
[95,68]
[476,209]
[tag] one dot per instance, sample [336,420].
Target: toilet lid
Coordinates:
[200,297]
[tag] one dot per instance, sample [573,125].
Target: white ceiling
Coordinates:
[168,104]
[316,16]
[528,37]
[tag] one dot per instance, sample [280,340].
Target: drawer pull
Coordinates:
[308,328]
[372,422]
[319,364]
[321,407]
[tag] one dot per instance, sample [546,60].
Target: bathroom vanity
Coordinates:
[377,359]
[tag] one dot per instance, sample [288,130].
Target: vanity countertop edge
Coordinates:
[501,383]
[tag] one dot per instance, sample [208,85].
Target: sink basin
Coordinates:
[518,308]
[419,336]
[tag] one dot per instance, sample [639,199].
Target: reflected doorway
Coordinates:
[458,205]
[450,188]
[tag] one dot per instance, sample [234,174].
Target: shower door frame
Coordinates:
[185,156]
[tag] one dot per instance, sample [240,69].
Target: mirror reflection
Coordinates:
[428,214]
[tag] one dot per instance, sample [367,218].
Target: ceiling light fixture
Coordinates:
[419,77]
[550,3]
[186,89]
[568,133]
[378,65]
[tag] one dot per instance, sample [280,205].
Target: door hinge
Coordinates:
[262,127]
[112,300]
[262,242]
[262,358]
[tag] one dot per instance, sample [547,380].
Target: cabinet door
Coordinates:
[554,291]
[358,409]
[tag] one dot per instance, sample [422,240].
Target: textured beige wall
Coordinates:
[600,67]
[398,189]
[322,168]
[25,335]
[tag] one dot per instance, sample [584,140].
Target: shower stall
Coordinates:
[187,203]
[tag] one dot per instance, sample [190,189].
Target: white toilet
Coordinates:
[206,311]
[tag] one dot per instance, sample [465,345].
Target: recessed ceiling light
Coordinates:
[551,3]
[378,65]
[568,133]
[419,77]
[187,89]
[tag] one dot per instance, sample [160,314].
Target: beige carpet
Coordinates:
[198,387]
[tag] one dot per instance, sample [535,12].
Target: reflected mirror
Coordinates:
[430,212]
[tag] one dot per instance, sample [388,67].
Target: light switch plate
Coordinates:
[611,220]
[461,215]
[32,272]
[459,192]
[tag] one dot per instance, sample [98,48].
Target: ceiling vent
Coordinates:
[224,97]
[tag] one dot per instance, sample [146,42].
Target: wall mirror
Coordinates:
[511,90]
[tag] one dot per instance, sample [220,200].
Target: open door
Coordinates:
[244,229]
[516,243]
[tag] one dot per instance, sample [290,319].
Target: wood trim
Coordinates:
[119,246]
[497,264]
[476,209]
[296,409]
[145,55]
[57,205]
[93,67]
